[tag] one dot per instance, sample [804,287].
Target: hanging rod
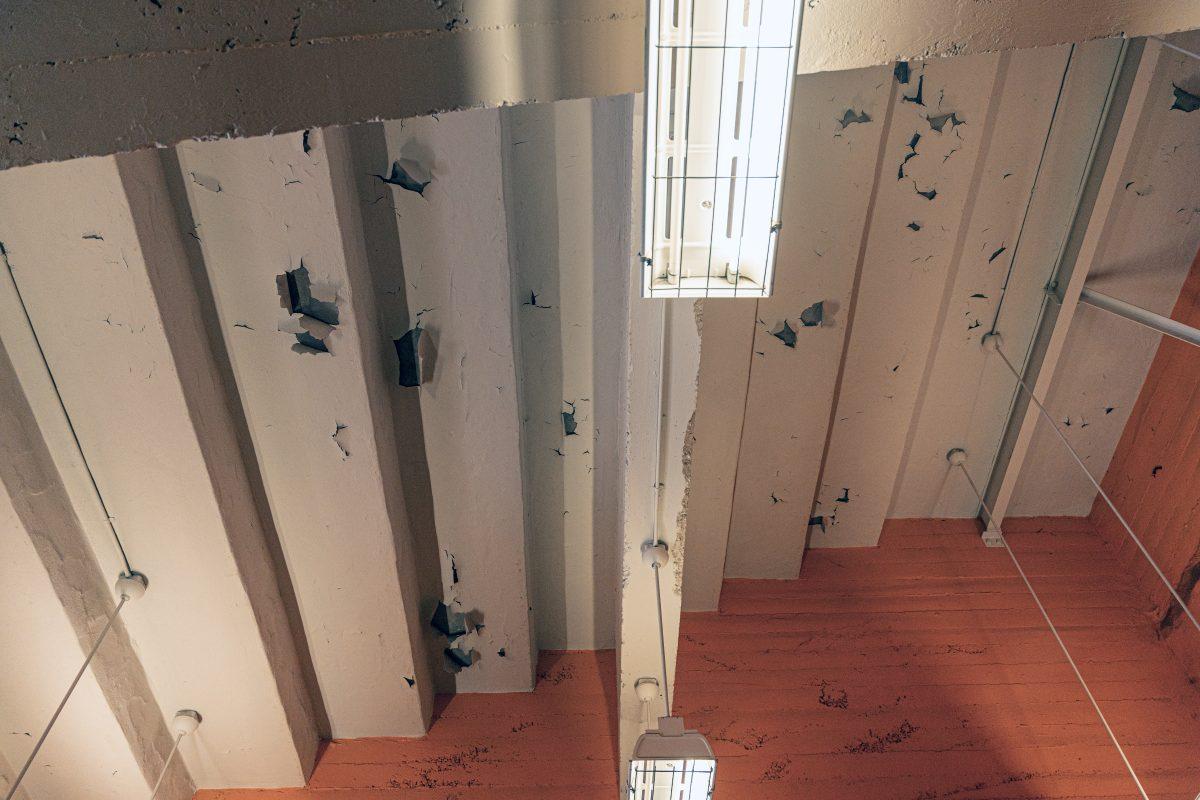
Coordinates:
[1149,319]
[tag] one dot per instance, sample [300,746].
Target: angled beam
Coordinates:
[318,420]
[457,282]
[78,250]
[1084,246]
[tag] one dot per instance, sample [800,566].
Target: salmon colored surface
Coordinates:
[1154,479]
[554,743]
[918,670]
[923,670]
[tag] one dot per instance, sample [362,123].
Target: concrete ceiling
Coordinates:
[300,514]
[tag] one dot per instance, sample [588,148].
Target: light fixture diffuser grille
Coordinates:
[719,76]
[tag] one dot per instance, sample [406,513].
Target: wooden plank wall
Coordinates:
[922,669]
[1154,479]
[555,743]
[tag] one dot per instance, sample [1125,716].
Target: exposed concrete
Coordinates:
[859,33]
[216,69]
[57,603]
[458,286]
[104,337]
[567,195]
[276,209]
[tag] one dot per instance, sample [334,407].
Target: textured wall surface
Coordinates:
[922,670]
[1154,479]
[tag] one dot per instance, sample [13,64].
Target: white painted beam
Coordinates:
[832,172]
[1094,232]
[1022,214]
[566,186]
[1150,242]
[76,248]
[907,278]
[318,421]
[458,285]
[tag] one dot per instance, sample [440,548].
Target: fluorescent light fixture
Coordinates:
[672,764]
[719,77]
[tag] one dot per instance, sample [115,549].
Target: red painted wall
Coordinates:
[1154,479]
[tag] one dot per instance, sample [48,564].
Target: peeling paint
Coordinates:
[407,174]
[918,97]
[901,72]
[938,122]
[850,117]
[786,334]
[408,352]
[1185,101]
[814,315]
[568,420]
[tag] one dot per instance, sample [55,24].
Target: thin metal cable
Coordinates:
[12,790]
[1062,438]
[166,764]
[66,414]
[1175,47]
[662,641]
[1057,637]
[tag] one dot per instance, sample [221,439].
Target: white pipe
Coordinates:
[1151,320]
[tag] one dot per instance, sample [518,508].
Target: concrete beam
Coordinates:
[860,33]
[567,188]
[457,284]
[319,421]
[215,69]
[1084,247]
[205,636]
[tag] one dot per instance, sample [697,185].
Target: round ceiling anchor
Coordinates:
[957,457]
[647,689]
[185,722]
[655,554]
[132,585]
[991,342]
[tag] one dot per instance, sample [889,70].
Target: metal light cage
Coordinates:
[672,764]
[719,77]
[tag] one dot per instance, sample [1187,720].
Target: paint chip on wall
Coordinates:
[1185,101]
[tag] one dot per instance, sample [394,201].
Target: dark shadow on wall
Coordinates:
[381,236]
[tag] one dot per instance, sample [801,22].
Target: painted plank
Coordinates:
[76,248]
[1152,232]
[1021,216]
[566,187]
[263,207]
[459,288]
[907,278]
[832,167]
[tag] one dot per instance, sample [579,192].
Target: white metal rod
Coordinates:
[662,642]
[1151,320]
[166,764]
[12,790]
[1062,438]
[1175,47]
[1058,638]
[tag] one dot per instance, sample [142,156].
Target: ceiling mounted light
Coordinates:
[719,77]
[669,763]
